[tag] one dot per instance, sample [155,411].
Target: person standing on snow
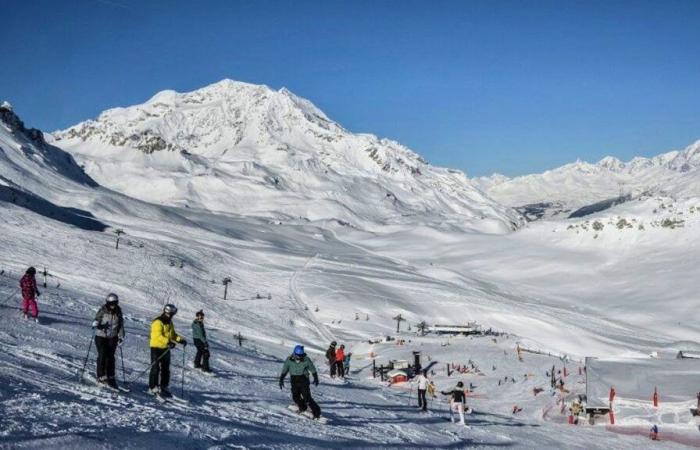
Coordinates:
[330,357]
[339,359]
[457,402]
[163,339]
[199,336]
[299,367]
[422,380]
[29,294]
[109,333]
[346,363]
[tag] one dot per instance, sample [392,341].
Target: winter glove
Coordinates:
[315,379]
[171,345]
[183,342]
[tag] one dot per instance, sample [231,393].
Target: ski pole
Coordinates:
[182,386]
[121,353]
[82,371]
[149,367]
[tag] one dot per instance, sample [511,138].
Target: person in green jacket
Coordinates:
[199,335]
[299,366]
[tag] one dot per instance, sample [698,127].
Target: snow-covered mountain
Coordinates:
[572,186]
[247,149]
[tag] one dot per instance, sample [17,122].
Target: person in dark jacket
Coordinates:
[330,357]
[299,367]
[199,335]
[109,333]
[458,400]
[29,294]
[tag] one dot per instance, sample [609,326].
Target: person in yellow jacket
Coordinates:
[163,338]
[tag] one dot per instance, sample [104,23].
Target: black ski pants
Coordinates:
[201,359]
[160,371]
[106,348]
[422,402]
[340,371]
[331,363]
[301,394]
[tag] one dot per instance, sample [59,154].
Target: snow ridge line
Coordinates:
[294,295]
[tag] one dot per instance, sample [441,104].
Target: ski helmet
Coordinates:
[333,344]
[112,299]
[31,271]
[299,350]
[199,313]
[460,384]
[170,309]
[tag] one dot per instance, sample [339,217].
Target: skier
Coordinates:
[29,294]
[163,339]
[199,336]
[339,358]
[457,402]
[109,333]
[299,366]
[422,380]
[330,357]
[346,363]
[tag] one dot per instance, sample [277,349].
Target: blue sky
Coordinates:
[484,86]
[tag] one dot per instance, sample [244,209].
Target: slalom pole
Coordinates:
[121,353]
[182,385]
[82,371]
[149,367]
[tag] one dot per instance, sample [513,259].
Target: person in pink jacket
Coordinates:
[29,294]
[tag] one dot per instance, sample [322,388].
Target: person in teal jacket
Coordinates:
[199,335]
[299,367]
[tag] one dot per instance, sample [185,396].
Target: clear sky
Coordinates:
[484,86]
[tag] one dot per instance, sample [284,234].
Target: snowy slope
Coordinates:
[547,288]
[243,148]
[579,184]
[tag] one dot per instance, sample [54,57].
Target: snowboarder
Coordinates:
[29,294]
[109,333]
[422,380]
[330,357]
[299,366]
[339,358]
[163,339]
[199,336]
[457,402]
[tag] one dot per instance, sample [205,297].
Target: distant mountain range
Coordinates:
[562,191]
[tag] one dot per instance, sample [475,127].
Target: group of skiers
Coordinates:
[338,360]
[109,334]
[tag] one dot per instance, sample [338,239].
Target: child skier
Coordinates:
[109,333]
[163,339]
[29,294]
[457,402]
[299,367]
[346,363]
[199,336]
